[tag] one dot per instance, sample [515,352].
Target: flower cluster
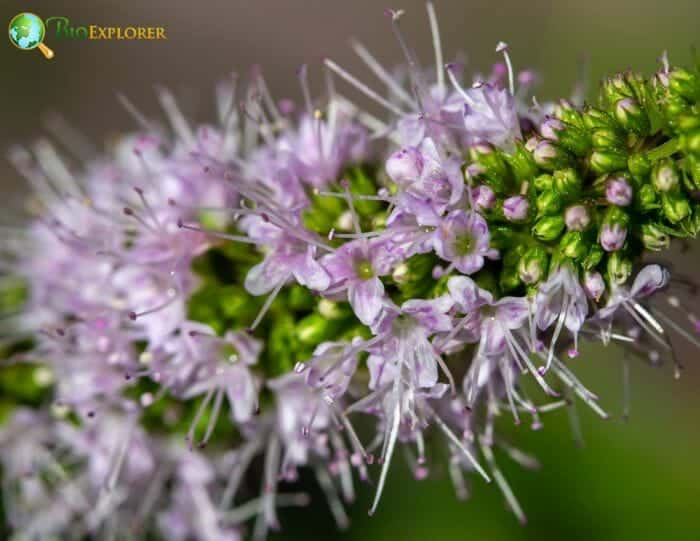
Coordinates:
[201,297]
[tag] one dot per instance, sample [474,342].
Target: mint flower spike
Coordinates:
[202,299]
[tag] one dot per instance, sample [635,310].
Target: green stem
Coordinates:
[669,148]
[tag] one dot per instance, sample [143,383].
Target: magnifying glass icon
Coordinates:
[27,32]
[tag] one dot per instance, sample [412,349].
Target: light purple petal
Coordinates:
[310,273]
[648,280]
[367,298]
[265,276]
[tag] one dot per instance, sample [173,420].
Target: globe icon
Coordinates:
[27,32]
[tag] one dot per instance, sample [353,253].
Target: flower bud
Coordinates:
[648,198]
[674,106]
[595,119]
[574,245]
[685,84]
[593,257]
[543,182]
[613,232]
[548,228]
[484,197]
[577,218]
[619,269]
[664,175]
[607,139]
[594,285]
[693,166]
[509,279]
[405,166]
[616,88]
[688,122]
[639,165]
[548,202]
[564,110]
[675,207]
[630,114]
[521,162]
[493,165]
[612,237]
[608,161]
[515,208]
[315,328]
[532,266]
[690,142]
[550,156]
[618,191]
[574,139]
[568,183]
[654,239]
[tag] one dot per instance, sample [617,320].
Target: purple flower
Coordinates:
[484,197]
[577,218]
[618,191]
[490,115]
[515,208]
[463,239]
[485,319]
[594,284]
[439,185]
[288,256]
[405,166]
[356,267]
[228,373]
[561,301]
[648,280]
[612,237]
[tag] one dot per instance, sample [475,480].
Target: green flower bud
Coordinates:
[674,107]
[548,228]
[315,328]
[616,88]
[532,266]
[619,268]
[648,199]
[550,156]
[632,116]
[548,202]
[607,161]
[665,176]
[575,140]
[614,215]
[607,139]
[593,257]
[685,84]
[568,183]
[543,182]
[675,206]
[688,122]
[690,142]
[693,167]
[595,119]
[509,279]
[654,239]
[574,245]
[491,162]
[564,110]
[639,165]
[521,162]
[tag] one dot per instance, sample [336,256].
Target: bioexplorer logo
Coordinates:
[27,31]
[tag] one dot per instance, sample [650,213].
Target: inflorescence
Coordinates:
[202,304]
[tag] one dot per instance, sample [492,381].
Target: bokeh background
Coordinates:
[633,480]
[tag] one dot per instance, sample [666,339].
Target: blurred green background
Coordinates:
[635,480]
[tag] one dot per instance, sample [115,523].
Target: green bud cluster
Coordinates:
[644,132]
